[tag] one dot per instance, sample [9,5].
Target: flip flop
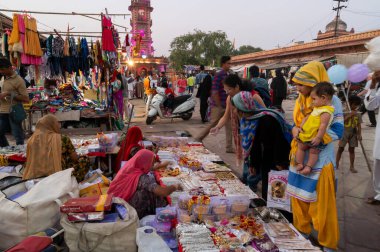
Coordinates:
[373,201]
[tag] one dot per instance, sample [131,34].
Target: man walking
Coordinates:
[372,102]
[190,84]
[204,92]
[12,92]
[218,103]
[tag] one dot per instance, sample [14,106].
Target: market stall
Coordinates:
[61,66]
[215,211]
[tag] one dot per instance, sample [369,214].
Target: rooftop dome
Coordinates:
[342,26]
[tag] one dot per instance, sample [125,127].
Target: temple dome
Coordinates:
[342,26]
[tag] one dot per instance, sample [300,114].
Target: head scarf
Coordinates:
[133,139]
[244,101]
[44,149]
[308,75]
[126,181]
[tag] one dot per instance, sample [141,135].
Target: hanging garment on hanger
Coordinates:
[14,42]
[107,36]
[32,41]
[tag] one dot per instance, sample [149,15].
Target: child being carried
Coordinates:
[314,126]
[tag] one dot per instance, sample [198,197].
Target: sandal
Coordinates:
[373,201]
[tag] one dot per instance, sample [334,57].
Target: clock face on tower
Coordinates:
[141,13]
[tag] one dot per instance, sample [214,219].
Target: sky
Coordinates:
[261,23]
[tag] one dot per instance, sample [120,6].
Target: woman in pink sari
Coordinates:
[135,184]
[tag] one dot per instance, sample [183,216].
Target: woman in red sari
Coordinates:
[133,143]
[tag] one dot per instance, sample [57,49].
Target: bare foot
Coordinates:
[352,169]
[300,167]
[306,170]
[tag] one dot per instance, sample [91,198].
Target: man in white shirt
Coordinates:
[371,113]
[372,102]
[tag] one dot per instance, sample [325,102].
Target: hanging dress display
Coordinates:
[31,43]
[107,37]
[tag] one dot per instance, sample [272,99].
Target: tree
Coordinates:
[245,49]
[199,48]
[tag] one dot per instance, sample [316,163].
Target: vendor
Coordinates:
[50,87]
[130,145]
[49,152]
[138,187]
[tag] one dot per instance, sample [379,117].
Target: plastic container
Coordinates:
[166,214]
[201,209]
[162,227]
[183,216]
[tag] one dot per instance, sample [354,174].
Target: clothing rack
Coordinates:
[64,13]
[87,15]
[75,32]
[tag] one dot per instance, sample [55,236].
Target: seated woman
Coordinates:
[265,139]
[138,187]
[48,152]
[130,145]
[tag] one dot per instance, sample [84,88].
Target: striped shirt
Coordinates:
[218,88]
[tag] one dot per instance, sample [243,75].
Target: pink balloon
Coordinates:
[358,73]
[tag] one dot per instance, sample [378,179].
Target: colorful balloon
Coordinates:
[337,74]
[358,73]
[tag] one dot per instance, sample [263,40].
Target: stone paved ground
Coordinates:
[359,222]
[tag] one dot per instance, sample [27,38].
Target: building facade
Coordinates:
[142,53]
[326,46]
[141,23]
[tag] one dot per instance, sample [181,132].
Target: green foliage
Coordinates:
[245,49]
[199,48]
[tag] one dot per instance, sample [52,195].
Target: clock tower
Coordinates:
[141,23]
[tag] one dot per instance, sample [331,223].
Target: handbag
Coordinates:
[17,112]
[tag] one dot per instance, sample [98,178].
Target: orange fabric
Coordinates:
[148,90]
[322,213]
[44,149]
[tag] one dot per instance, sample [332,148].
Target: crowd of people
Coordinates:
[255,128]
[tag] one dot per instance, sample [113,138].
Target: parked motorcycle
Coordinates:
[180,107]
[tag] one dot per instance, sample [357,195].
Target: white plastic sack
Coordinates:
[148,240]
[277,196]
[373,45]
[117,236]
[373,61]
[36,210]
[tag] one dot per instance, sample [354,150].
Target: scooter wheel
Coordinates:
[149,120]
[187,116]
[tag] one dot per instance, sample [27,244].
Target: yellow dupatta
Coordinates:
[308,75]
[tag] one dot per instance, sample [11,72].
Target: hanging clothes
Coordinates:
[107,36]
[30,41]
[14,42]
[32,44]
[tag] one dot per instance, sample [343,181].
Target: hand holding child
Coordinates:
[316,141]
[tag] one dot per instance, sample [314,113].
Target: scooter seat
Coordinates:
[179,100]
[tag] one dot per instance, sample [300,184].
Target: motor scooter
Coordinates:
[181,106]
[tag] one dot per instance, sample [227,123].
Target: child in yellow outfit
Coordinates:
[314,127]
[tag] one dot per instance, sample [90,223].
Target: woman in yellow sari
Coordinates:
[313,196]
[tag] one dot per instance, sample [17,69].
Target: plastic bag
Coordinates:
[373,45]
[277,196]
[148,240]
[373,61]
